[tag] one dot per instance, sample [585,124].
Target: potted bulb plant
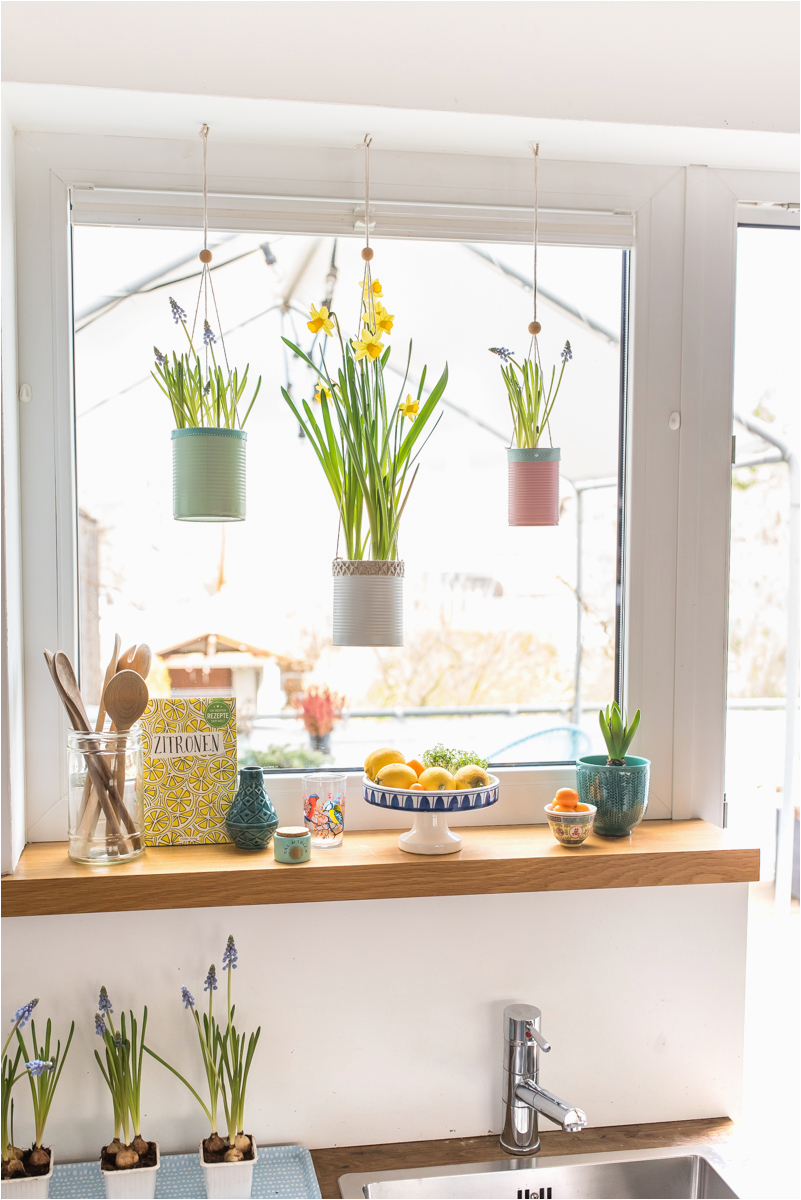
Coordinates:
[533,467]
[28,1172]
[128,1164]
[227,1056]
[320,709]
[618,784]
[368,453]
[208,442]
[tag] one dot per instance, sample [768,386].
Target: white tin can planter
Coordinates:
[228,1181]
[35,1187]
[368,603]
[138,1183]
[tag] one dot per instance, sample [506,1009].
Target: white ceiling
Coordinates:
[50,108]
[709,64]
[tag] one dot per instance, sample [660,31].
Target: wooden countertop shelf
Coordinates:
[369,866]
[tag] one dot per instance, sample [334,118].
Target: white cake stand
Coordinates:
[431,812]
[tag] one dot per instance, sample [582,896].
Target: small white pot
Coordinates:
[228,1181]
[137,1183]
[36,1187]
[368,603]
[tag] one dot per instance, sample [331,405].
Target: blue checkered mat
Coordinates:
[283,1172]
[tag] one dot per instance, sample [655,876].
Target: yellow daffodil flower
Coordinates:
[410,408]
[376,290]
[368,344]
[320,319]
[320,391]
[383,319]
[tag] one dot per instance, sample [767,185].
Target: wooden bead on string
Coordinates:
[367,254]
[534,327]
[205,256]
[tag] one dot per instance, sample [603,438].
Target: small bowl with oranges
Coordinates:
[569,819]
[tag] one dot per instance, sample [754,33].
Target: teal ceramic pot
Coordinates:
[619,793]
[251,820]
[208,474]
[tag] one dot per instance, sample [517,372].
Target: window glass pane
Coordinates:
[490,611]
[766,396]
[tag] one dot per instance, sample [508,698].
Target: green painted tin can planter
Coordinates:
[251,820]
[208,474]
[619,793]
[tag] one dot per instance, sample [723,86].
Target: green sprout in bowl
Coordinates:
[618,735]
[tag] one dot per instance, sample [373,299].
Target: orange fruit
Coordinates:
[416,766]
[582,808]
[561,808]
[566,798]
[416,787]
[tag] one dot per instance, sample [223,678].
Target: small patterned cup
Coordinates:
[324,808]
[570,828]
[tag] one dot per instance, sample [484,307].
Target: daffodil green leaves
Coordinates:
[368,453]
[617,734]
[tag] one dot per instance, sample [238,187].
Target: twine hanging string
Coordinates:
[206,282]
[368,299]
[535,327]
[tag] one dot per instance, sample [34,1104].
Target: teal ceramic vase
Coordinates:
[208,474]
[619,793]
[251,820]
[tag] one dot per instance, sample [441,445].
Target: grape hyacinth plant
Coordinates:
[531,404]
[124,1049]
[227,1056]
[44,1071]
[12,1164]
[202,394]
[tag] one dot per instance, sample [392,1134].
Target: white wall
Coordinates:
[722,65]
[12,768]
[381,1020]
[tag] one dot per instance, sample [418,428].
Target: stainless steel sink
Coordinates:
[681,1171]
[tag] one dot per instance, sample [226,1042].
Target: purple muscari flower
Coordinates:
[38,1067]
[23,1014]
[178,313]
[118,1040]
[104,1004]
[567,353]
[100,1025]
[187,997]
[502,352]
[229,954]
[208,336]
[211,980]
[207,388]
[160,358]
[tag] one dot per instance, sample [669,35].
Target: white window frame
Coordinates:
[681,223]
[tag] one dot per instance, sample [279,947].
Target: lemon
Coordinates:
[396,775]
[380,758]
[436,779]
[471,776]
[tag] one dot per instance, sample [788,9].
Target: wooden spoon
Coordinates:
[67,687]
[90,810]
[125,698]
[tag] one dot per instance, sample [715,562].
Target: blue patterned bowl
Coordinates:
[461,801]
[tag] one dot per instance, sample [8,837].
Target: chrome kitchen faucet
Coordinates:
[523,1098]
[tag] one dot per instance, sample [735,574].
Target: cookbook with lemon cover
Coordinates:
[190,769]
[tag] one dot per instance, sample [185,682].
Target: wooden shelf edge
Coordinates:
[369,866]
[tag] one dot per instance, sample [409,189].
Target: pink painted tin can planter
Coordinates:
[534,486]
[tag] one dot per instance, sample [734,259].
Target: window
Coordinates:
[766,418]
[510,634]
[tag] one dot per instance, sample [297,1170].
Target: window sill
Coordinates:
[369,866]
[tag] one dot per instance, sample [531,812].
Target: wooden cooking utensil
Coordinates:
[90,811]
[126,658]
[63,675]
[125,698]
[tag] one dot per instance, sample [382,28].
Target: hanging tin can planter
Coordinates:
[534,486]
[208,474]
[207,397]
[368,447]
[368,603]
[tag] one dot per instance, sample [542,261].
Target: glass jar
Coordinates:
[106,796]
[324,807]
